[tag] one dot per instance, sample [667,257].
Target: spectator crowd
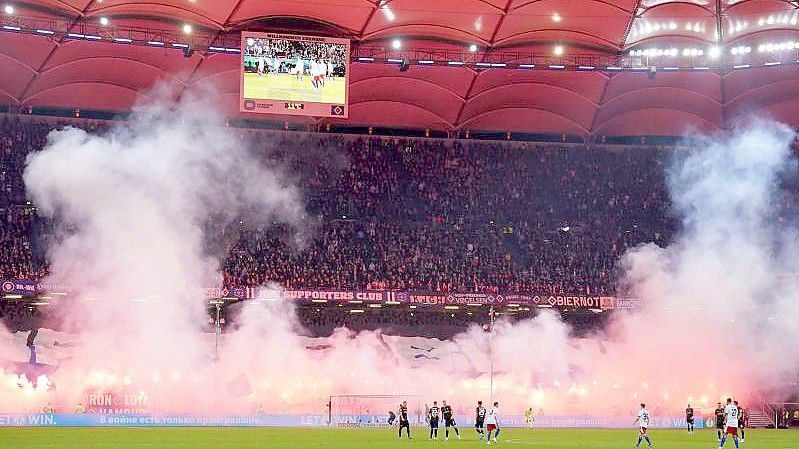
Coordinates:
[425,214]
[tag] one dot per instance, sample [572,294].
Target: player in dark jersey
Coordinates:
[689,418]
[449,421]
[741,420]
[719,412]
[403,419]
[434,415]
[479,419]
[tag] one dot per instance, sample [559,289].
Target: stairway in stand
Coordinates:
[759,419]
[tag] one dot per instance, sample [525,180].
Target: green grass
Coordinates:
[301,438]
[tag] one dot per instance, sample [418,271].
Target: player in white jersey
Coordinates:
[643,421]
[330,68]
[730,422]
[492,423]
[299,68]
[318,73]
[261,63]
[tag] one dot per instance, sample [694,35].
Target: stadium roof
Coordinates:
[56,70]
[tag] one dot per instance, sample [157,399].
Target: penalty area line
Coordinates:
[526,443]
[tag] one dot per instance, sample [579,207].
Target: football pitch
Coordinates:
[307,438]
[287,87]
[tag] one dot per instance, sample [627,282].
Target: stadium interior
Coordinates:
[508,161]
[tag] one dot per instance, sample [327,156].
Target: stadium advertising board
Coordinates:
[159,420]
[298,420]
[294,75]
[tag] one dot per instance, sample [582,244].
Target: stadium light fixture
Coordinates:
[556,17]
[388,13]
[9,9]
[187,28]
[396,44]
[714,52]
[104,21]
[558,50]
[473,48]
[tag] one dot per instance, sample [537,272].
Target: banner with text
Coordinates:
[28,288]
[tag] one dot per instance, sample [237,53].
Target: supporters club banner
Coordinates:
[20,287]
[543,300]
[338,295]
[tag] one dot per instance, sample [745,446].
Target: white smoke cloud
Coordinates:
[132,205]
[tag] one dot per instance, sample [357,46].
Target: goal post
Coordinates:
[371,410]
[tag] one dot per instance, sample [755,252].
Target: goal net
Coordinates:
[358,410]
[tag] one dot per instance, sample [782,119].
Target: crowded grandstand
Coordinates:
[392,222]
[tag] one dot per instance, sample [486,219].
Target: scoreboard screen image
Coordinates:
[295,75]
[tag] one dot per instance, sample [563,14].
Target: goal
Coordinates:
[369,410]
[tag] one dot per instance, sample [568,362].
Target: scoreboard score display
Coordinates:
[294,75]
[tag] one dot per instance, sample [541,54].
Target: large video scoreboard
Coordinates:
[296,75]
